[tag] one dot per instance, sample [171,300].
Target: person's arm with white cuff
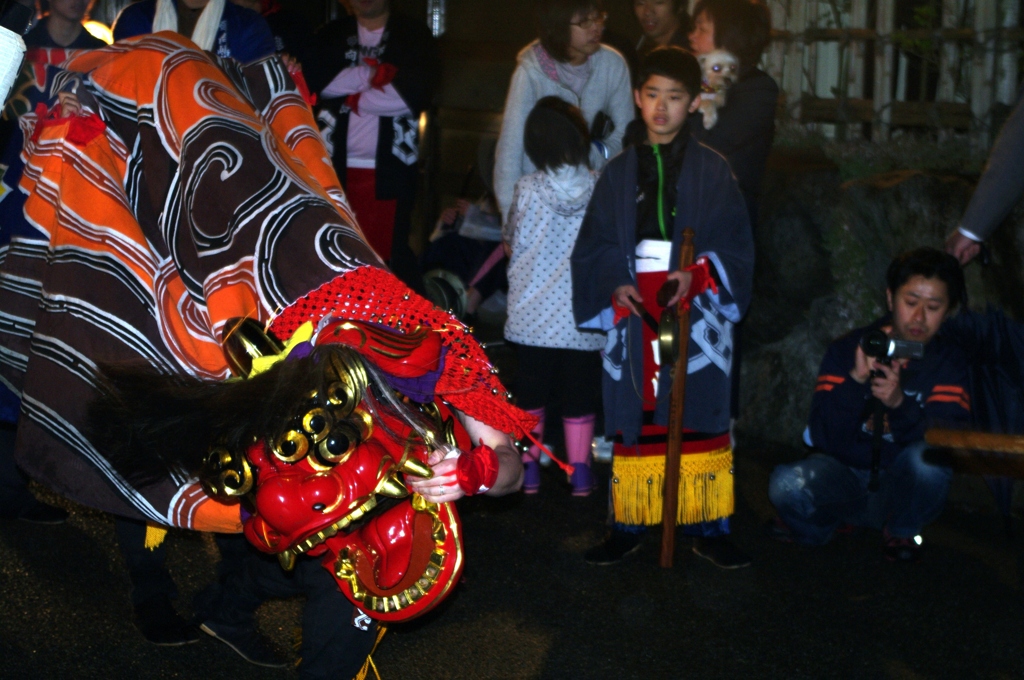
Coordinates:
[998,190]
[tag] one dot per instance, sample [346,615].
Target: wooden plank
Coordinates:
[953,34]
[975,441]
[882,94]
[912,114]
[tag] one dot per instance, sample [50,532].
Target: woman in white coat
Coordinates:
[569,62]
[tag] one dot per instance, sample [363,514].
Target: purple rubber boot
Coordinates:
[531,458]
[579,433]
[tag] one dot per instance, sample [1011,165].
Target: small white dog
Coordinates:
[720,69]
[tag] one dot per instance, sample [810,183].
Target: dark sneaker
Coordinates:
[902,549]
[720,551]
[617,546]
[159,623]
[38,512]
[245,640]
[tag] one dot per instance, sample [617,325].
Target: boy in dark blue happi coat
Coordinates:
[627,248]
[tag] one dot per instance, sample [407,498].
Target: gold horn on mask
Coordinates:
[243,339]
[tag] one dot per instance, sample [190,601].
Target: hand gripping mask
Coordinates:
[331,484]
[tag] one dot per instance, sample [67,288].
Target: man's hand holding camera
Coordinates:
[884,377]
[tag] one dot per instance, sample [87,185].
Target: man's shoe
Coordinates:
[38,512]
[245,640]
[720,551]
[902,549]
[616,547]
[159,623]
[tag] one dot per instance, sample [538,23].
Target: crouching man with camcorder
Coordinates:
[878,389]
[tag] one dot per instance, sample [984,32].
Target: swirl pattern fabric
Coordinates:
[208,196]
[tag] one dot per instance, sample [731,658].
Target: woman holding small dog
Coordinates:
[745,127]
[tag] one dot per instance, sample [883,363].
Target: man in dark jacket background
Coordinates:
[816,495]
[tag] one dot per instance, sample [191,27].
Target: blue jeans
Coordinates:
[815,495]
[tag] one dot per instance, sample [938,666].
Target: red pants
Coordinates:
[376,218]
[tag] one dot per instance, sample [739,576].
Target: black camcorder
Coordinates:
[878,345]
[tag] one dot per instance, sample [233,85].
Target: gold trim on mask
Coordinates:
[225,473]
[345,569]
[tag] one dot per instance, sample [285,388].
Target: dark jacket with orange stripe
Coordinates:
[934,389]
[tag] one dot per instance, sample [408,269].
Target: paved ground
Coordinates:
[530,608]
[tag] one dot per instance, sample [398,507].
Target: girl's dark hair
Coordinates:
[554,18]
[673,63]
[742,27]
[931,264]
[556,134]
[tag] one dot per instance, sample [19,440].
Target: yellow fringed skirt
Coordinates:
[705,485]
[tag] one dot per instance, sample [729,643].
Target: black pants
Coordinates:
[147,569]
[547,375]
[332,646]
[403,260]
[14,493]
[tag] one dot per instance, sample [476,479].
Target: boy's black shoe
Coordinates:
[902,549]
[616,546]
[720,551]
[159,623]
[245,640]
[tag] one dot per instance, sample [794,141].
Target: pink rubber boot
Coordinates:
[579,433]
[531,458]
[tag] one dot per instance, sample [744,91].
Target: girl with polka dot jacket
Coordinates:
[556,361]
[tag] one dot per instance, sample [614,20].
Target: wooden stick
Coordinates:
[975,441]
[670,498]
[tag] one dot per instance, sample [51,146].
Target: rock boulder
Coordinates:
[823,247]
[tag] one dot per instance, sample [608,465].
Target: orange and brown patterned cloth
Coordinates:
[205,194]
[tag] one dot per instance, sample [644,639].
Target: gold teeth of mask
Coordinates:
[322,535]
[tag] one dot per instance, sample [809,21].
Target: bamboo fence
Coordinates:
[877,66]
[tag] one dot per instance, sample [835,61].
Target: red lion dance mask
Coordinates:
[332,485]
